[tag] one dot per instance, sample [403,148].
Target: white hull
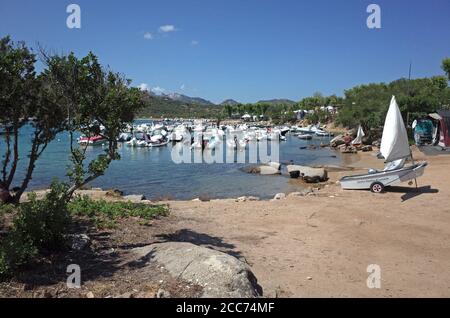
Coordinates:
[387,178]
[157,144]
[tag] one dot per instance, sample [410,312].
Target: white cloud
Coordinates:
[182,87]
[194,43]
[144,87]
[148,36]
[167,28]
[158,90]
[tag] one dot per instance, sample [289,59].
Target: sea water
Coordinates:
[152,172]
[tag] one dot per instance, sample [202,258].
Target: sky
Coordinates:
[247,50]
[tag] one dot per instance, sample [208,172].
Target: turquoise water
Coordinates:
[151,171]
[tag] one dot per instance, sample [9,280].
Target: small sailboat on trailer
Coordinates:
[395,150]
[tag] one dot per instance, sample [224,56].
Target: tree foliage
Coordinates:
[70,94]
[446,67]
[368,104]
[24,99]
[94,97]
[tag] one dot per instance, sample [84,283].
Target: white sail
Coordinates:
[394,143]
[359,137]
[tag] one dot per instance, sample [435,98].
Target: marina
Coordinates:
[146,166]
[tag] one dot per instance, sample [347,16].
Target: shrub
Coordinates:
[39,225]
[45,221]
[104,214]
[15,251]
[5,209]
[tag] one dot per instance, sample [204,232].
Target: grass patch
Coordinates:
[105,214]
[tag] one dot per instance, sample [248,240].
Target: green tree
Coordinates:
[229,110]
[24,100]
[446,67]
[93,97]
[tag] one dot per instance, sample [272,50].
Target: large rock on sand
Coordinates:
[275,165]
[337,141]
[268,170]
[308,173]
[134,198]
[221,275]
[263,169]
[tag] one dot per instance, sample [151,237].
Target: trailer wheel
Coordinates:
[377,187]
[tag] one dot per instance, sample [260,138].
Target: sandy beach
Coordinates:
[320,245]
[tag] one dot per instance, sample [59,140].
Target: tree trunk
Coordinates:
[34,155]
[7,156]
[12,172]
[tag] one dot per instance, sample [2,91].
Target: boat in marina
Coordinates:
[158,144]
[91,141]
[178,133]
[395,150]
[314,130]
[237,144]
[213,142]
[323,133]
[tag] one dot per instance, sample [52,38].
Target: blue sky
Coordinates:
[243,49]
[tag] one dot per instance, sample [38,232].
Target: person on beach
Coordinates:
[347,140]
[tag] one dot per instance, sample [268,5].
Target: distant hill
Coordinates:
[189,100]
[277,102]
[162,106]
[229,102]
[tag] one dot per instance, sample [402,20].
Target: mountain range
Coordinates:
[277,102]
[188,99]
[179,105]
[204,102]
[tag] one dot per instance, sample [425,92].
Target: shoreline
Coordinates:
[321,244]
[349,163]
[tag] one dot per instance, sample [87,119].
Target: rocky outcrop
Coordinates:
[268,170]
[219,274]
[279,196]
[245,199]
[263,169]
[134,198]
[79,242]
[311,175]
[302,193]
[275,165]
[115,193]
[337,141]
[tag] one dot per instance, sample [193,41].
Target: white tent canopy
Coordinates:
[394,143]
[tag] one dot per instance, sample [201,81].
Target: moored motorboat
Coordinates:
[158,144]
[323,133]
[91,141]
